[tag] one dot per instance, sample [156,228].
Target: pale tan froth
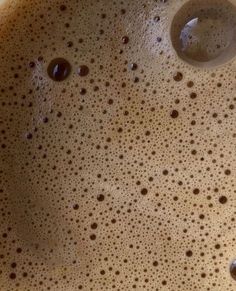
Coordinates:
[123,179]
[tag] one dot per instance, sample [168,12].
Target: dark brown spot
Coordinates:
[59,69]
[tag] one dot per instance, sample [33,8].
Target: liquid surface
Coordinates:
[121,175]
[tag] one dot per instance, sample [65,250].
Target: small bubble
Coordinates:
[144,191]
[223,199]
[174,114]
[196,191]
[156,18]
[82,91]
[83,71]
[63,7]
[227,172]
[178,76]
[19,250]
[100,197]
[12,276]
[189,253]
[92,236]
[94,225]
[32,64]
[76,207]
[133,66]
[125,39]
[59,69]
[29,136]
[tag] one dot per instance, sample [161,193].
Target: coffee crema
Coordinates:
[117,154]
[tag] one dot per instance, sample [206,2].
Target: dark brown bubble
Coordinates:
[59,69]
[196,191]
[82,91]
[227,172]
[178,76]
[223,199]
[233,270]
[174,114]
[94,225]
[190,84]
[100,197]
[83,71]
[156,18]
[144,191]
[12,276]
[133,66]
[32,64]
[76,206]
[63,7]
[125,39]
[189,253]
[92,236]
[193,95]
[29,136]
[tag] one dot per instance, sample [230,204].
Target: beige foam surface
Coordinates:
[120,180]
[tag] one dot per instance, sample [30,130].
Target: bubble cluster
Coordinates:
[117,159]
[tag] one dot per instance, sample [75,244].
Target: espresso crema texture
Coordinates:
[117,146]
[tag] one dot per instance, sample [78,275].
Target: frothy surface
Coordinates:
[121,176]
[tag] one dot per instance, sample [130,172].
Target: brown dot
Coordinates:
[69,43]
[144,191]
[190,84]
[83,71]
[227,172]
[12,276]
[82,91]
[133,66]
[94,225]
[174,114]
[217,246]
[100,197]
[76,207]
[178,76]
[63,7]
[19,250]
[193,95]
[32,64]
[223,199]
[189,253]
[13,265]
[165,172]
[125,39]
[155,263]
[196,191]
[92,236]
[29,136]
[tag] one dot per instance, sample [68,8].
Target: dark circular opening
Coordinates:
[203,33]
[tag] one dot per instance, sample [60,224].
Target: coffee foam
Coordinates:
[122,179]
